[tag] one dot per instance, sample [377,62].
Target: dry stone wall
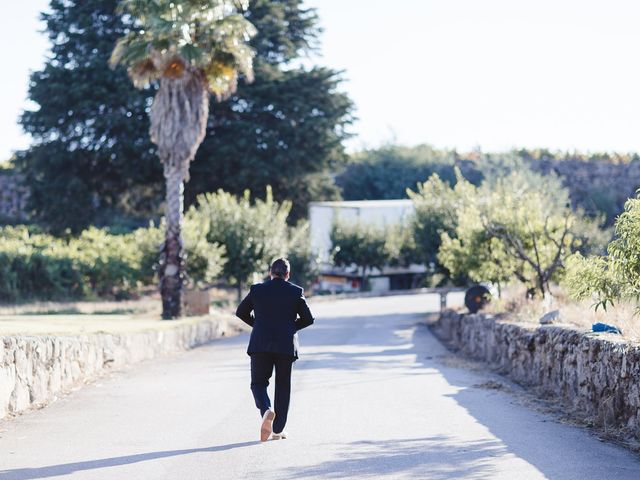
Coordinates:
[596,376]
[33,370]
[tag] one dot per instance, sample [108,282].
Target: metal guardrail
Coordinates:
[443,292]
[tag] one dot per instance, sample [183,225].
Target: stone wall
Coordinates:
[596,376]
[33,370]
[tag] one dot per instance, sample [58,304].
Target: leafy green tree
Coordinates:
[305,266]
[297,119]
[602,184]
[401,244]
[518,226]
[253,233]
[436,204]
[193,49]
[92,159]
[616,276]
[360,244]
[387,172]
[93,163]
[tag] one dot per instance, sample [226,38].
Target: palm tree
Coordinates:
[192,48]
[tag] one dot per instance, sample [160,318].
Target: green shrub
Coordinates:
[33,265]
[359,244]
[616,276]
[253,233]
[304,264]
[223,236]
[110,263]
[95,263]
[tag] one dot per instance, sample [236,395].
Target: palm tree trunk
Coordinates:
[178,123]
[172,266]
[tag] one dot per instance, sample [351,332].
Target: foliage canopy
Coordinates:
[92,161]
[616,276]
[514,226]
[168,37]
[254,232]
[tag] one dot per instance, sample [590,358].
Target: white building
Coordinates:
[322,216]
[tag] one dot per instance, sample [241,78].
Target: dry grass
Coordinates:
[72,318]
[146,305]
[578,315]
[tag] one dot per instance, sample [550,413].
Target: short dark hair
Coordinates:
[280,267]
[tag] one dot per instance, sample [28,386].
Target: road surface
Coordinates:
[374,397]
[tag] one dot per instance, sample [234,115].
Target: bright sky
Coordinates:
[453,73]
[23,50]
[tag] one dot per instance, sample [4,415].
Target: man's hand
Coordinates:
[305,316]
[244,310]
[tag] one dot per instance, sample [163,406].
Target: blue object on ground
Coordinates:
[603,327]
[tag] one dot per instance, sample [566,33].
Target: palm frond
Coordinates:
[210,36]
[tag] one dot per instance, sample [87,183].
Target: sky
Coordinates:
[23,49]
[494,74]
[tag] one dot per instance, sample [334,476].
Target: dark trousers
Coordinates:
[262,365]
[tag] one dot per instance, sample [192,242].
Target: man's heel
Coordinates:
[267,425]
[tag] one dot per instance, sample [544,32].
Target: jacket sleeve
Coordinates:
[244,310]
[305,316]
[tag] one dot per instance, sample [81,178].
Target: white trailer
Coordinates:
[322,216]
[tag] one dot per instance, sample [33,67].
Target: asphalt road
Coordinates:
[375,396]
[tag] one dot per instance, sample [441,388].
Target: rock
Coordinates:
[549,317]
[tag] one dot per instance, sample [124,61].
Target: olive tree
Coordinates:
[436,205]
[515,227]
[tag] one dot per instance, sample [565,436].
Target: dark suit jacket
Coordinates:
[279,311]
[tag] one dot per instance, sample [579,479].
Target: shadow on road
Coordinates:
[435,458]
[69,468]
[384,342]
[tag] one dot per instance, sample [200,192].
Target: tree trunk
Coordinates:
[363,282]
[172,266]
[541,286]
[239,291]
[178,122]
